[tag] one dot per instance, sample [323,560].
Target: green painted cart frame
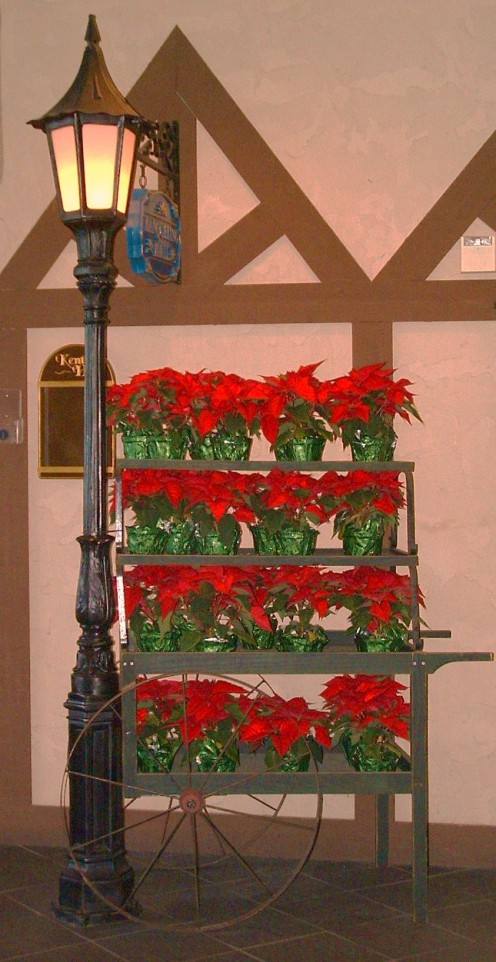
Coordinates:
[334,776]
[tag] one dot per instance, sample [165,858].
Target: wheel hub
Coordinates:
[191,801]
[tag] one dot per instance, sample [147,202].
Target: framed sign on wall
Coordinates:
[60,414]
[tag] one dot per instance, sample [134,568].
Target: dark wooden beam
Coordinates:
[447,301]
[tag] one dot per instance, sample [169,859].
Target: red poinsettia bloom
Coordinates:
[206,704]
[363,701]
[368,391]
[284,722]
[294,495]
[300,588]
[375,596]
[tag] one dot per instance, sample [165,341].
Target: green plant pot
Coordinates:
[262,638]
[220,445]
[150,639]
[294,638]
[144,540]
[373,447]
[263,541]
[155,754]
[359,757]
[217,644]
[209,756]
[135,445]
[309,448]
[211,542]
[392,637]
[173,444]
[292,761]
[295,541]
[179,537]
[365,538]
[286,541]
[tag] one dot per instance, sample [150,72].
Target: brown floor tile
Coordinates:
[402,937]
[334,909]
[23,931]
[365,912]
[164,946]
[86,952]
[269,926]
[315,948]
[21,867]
[476,953]
[474,920]
[444,890]
[355,875]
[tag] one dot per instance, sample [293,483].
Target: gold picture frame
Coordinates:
[61,415]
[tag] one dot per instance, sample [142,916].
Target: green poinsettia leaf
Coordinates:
[227,528]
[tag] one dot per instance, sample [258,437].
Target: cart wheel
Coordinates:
[208,849]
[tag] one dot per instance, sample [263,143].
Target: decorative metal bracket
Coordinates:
[159,150]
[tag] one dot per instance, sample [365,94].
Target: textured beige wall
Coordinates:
[373,107]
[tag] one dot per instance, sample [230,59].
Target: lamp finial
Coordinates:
[92,32]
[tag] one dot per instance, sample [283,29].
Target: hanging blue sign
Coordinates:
[153,236]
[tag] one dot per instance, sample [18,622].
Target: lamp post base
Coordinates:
[97,882]
[86,897]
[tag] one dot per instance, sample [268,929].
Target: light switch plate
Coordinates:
[11,426]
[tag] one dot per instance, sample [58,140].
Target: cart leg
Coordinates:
[420,803]
[381,830]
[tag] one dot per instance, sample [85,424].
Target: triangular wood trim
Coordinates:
[237,247]
[278,193]
[37,253]
[488,214]
[456,209]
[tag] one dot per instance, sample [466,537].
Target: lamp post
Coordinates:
[93,135]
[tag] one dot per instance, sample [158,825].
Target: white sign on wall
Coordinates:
[478,253]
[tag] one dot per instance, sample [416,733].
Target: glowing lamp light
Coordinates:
[93,135]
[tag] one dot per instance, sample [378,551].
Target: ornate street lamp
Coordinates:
[93,135]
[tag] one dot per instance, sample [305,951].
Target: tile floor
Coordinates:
[332,912]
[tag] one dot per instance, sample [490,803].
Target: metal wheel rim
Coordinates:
[131,913]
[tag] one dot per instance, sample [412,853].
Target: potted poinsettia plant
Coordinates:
[216,505]
[366,715]
[144,411]
[178,608]
[286,509]
[288,730]
[162,521]
[208,722]
[181,512]
[208,609]
[200,714]
[301,595]
[363,405]
[158,735]
[152,597]
[253,620]
[223,413]
[366,505]
[380,605]
[295,418]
